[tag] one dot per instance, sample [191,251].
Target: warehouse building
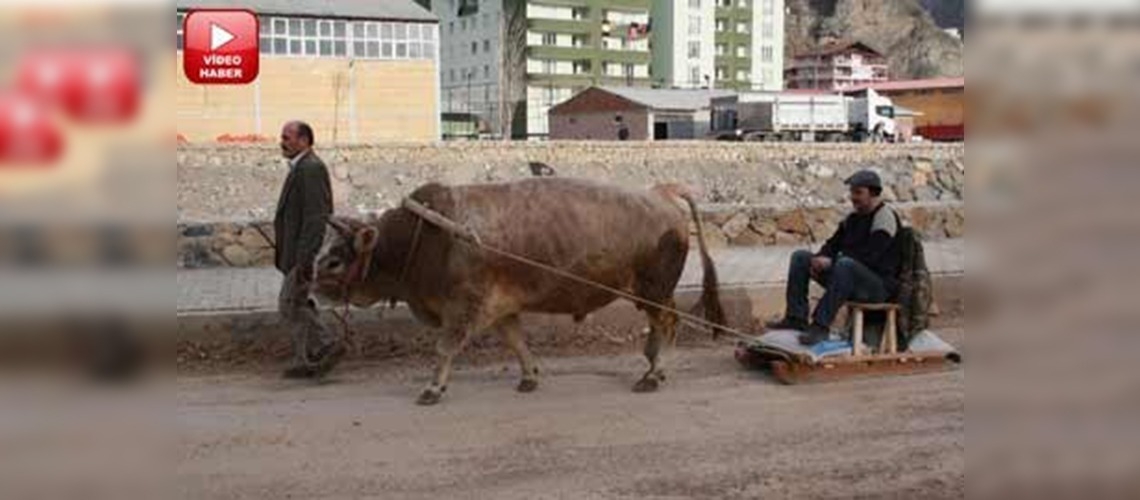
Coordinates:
[357,71]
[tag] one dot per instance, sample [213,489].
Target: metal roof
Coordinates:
[900,85]
[405,10]
[669,99]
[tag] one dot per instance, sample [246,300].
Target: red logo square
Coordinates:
[221,47]
[93,85]
[27,134]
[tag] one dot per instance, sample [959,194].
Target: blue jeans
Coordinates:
[846,280]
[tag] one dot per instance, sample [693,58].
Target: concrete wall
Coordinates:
[371,101]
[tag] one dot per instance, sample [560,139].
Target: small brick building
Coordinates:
[601,113]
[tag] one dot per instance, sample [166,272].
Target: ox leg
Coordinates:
[662,336]
[458,327]
[450,342]
[516,340]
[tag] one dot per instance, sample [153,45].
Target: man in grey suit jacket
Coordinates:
[299,227]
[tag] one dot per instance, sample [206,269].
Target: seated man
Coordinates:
[860,262]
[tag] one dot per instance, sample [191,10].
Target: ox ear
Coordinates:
[366,239]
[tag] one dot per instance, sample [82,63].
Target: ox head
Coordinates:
[344,260]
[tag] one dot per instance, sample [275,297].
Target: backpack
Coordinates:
[916,289]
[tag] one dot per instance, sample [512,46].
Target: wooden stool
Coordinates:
[889,342]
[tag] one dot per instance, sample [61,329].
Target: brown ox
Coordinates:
[634,241]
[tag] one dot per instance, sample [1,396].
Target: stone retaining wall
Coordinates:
[239,243]
[228,182]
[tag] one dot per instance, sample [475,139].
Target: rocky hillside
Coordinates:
[915,46]
[947,13]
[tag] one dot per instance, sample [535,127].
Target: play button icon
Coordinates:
[221,47]
[219,37]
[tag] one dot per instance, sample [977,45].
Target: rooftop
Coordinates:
[669,99]
[836,48]
[402,10]
[900,85]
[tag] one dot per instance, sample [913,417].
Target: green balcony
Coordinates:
[561,53]
[561,3]
[561,26]
[624,56]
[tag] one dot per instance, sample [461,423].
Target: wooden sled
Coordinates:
[795,368]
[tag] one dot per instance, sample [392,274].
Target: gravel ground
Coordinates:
[715,430]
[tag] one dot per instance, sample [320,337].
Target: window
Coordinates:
[741,51]
[179,42]
[548,67]
[474,22]
[768,31]
[580,13]
[742,3]
[694,50]
[742,75]
[451,74]
[628,70]
[766,54]
[741,27]
[694,75]
[486,46]
[721,25]
[721,49]
[725,3]
[474,47]
[335,38]
[721,74]
[487,71]
[549,39]
[451,28]
[694,4]
[695,25]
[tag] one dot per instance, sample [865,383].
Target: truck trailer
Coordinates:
[783,116]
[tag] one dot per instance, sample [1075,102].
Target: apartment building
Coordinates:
[733,44]
[505,63]
[683,34]
[749,44]
[837,67]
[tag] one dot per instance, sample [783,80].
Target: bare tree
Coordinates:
[512,68]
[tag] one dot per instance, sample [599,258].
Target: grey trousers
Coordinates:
[301,317]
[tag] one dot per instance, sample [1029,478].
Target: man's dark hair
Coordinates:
[305,132]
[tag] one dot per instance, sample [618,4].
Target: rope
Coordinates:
[469,236]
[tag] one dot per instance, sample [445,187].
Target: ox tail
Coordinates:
[710,285]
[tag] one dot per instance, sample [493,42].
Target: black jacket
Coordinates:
[869,239]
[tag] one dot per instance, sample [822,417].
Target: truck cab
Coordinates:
[874,115]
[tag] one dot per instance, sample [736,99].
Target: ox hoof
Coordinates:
[646,385]
[429,397]
[527,385]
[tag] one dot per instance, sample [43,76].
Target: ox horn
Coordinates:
[340,226]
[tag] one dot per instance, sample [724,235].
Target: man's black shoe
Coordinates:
[327,357]
[300,372]
[787,324]
[814,334]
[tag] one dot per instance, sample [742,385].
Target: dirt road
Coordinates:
[714,431]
